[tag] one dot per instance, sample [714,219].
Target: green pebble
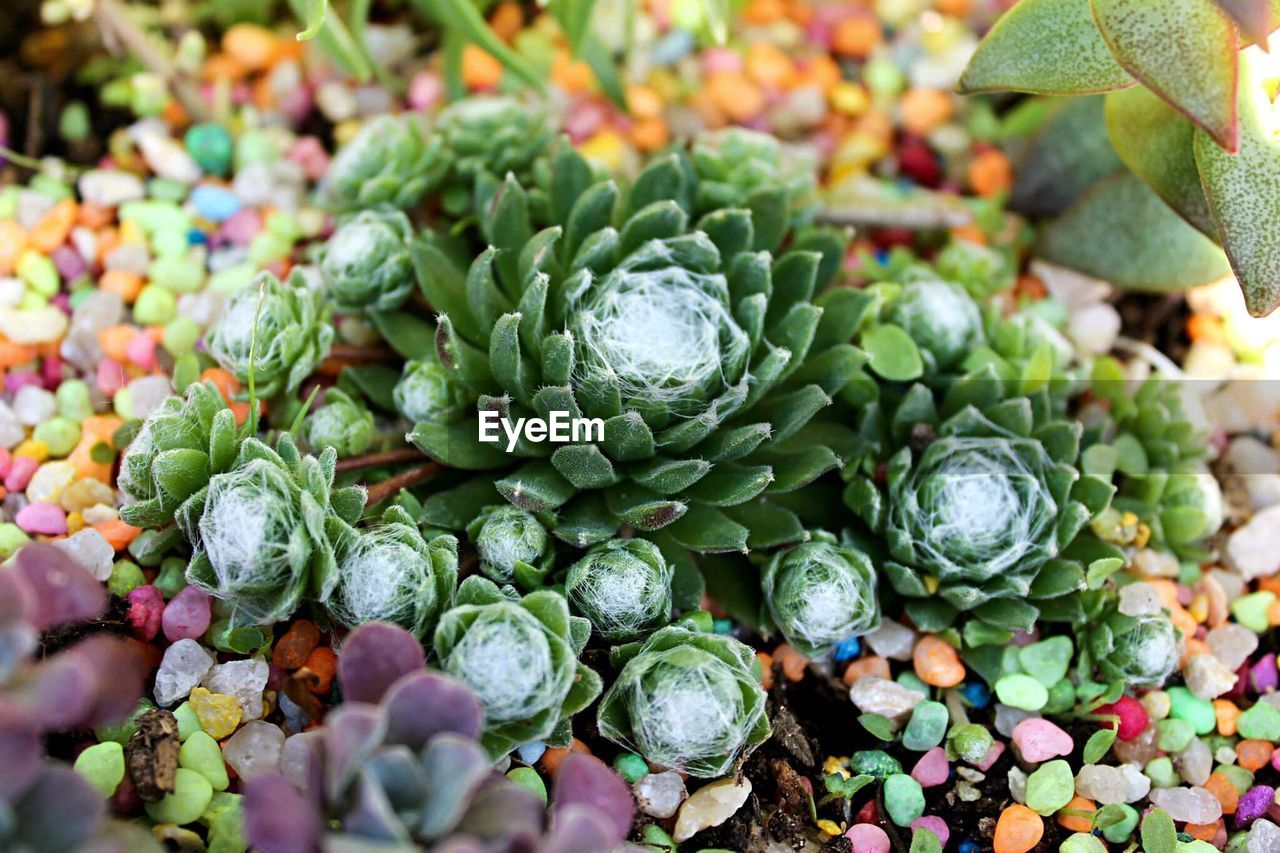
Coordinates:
[927,727]
[283,224]
[255,146]
[1185,705]
[121,732]
[1009,661]
[1261,722]
[172,578]
[1238,842]
[32,301]
[81,292]
[225,820]
[11,539]
[191,795]
[200,753]
[165,189]
[631,767]
[883,77]
[125,576]
[1050,787]
[232,278]
[38,273]
[156,306]
[73,399]
[527,777]
[9,202]
[1195,845]
[1120,831]
[188,722]
[1047,660]
[211,146]
[169,242]
[152,215]
[1161,773]
[1240,779]
[874,762]
[181,335]
[180,273]
[60,435]
[1082,842]
[911,681]
[903,799]
[103,765]
[969,742]
[74,124]
[1062,695]
[46,184]
[1251,610]
[1173,735]
[1022,691]
[268,247]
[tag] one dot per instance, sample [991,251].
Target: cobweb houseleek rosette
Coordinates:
[486,138]
[392,160]
[278,332]
[340,423]
[264,530]
[1141,650]
[623,586]
[686,700]
[694,349]
[819,593]
[512,544]
[366,264]
[520,657]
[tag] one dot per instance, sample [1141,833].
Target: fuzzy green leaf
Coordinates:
[1158,832]
[1099,743]
[891,353]
[1068,155]
[708,530]
[410,336]
[457,445]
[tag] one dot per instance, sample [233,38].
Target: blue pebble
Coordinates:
[967,846]
[977,694]
[531,752]
[215,203]
[673,47]
[196,237]
[722,626]
[848,649]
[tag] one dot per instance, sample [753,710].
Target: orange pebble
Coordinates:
[93,216]
[322,663]
[924,110]
[735,95]
[12,354]
[769,66]
[222,380]
[117,533]
[857,36]
[766,669]
[52,229]
[114,341]
[480,70]
[1273,613]
[1220,786]
[1207,328]
[507,20]
[1226,713]
[222,66]
[1204,831]
[296,645]
[250,45]
[990,173]
[872,665]
[1018,830]
[572,75]
[1253,754]
[954,8]
[792,662]
[550,760]
[764,11]
[643,102]
[821,71]
[937,663]
[13,240]
[650,134]
[1077,822]
[125,284]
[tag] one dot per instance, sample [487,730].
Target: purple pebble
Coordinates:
[187,615]
[1263,675]
[1254,804]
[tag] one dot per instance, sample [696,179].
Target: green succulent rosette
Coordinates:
[623,586]
[488,137]
[392,160]
[703,357]
[366,263]
[520,657]
[275,332]
[1141,650]
[264,530]
[512,544]
[340,423]
[686,700]
[389,573]
[175,452]
[427,391]
[820,593]
[746,169]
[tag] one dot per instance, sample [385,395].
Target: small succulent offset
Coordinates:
[623,586]
[520,656]
[275,332]
[180,445]
[264,530]
[686,700]
[390,573]
[1141,650]
[819,593]
[398,766]
[487,138]
[513,545]
[427,392]
[340,423]
[696,351]
[392,160]
[745,169]
[366,263]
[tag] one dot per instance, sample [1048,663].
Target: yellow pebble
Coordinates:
[1199,608]
[343,132]
[218,713]
[830,827]
[131,232]
[605,148]
[850,98]
[37,450]
[75,522]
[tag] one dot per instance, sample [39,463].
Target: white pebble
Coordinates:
[659,794]
[256,748]
[89,549]
[710,805]
[110,187]
[183,665]
[34,404]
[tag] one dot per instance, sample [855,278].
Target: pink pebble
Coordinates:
[992,756]
[1275,759]
[308,152]
[141,350]
[110,376]
[41,517]
[868,838]
[721,59]
[5,461]
[1039,740]
[426,89]
[934,824]
[932,769]
[146,605]
[187,615]
[21,470]
[241,227]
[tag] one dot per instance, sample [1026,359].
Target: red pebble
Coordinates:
[146,606]
[917,162]
[868,813]
[1133,717]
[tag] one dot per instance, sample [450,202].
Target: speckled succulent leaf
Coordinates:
[1045,47]
[1069,152]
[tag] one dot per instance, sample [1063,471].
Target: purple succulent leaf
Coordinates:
[397,771]
[500,808]
[423,704]
[120,673]
[577,829]
[584,780]
[57,811]
[18,639]
[60,691]
[462,845]
[59,591]
[278,819]
[453,768]
[21,748]
[373,656]
[351,734]
[371,814]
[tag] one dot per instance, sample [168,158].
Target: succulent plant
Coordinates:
[487,138]
[1141,651]
[366,263]
[340,423]
[392,160]
[390,573]
[623,586]
[749,170]
[426,391]
[264,530]
[276,332]
[686,700]
[177,449]
[513,545]
[696,353]
[819,593]
[399,765]
[520,657]
[1196,130]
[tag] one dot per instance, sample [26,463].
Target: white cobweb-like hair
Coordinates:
[135,467]
[506,658]
[509,535]
[620,594]
[334,422]
[380,578]
[665,336]
[821,600]
[1150,649]
[939,313]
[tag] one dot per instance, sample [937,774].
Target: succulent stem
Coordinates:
[374,460]
[379,492]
